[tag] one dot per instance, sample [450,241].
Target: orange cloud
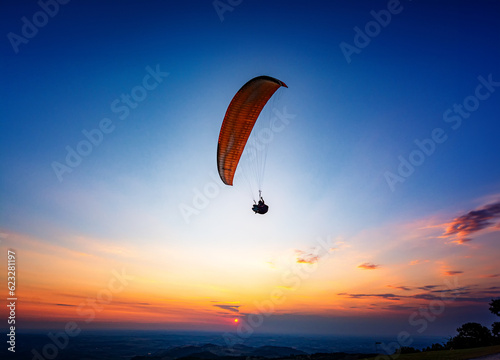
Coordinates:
[453,272]
[305,258]
[404,288]
[368,266]
[416,262]
[308,260]
[475,220]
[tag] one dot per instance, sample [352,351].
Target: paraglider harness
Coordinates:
[260,207]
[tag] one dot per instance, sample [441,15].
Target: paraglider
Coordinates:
[260,207]
[240,118]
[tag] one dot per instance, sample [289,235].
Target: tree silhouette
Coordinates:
[495,328]
[435,347]
[471,335]
[495,306]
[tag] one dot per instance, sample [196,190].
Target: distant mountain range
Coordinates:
[241,352]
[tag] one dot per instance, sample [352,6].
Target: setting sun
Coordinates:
[236,320]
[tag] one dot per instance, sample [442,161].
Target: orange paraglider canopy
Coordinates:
[239,120]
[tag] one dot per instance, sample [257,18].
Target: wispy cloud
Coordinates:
[463,226]
[428,287]
[232,308]
[493,289]
[404,288]
[453,272]
[368,266]
[397,307]
[384,296]
[463,294]
[416,262]
[306,258]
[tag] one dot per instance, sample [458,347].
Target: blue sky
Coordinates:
[353,121]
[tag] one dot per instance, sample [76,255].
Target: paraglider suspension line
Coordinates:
[259,198]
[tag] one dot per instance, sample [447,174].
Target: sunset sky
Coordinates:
[383,187]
